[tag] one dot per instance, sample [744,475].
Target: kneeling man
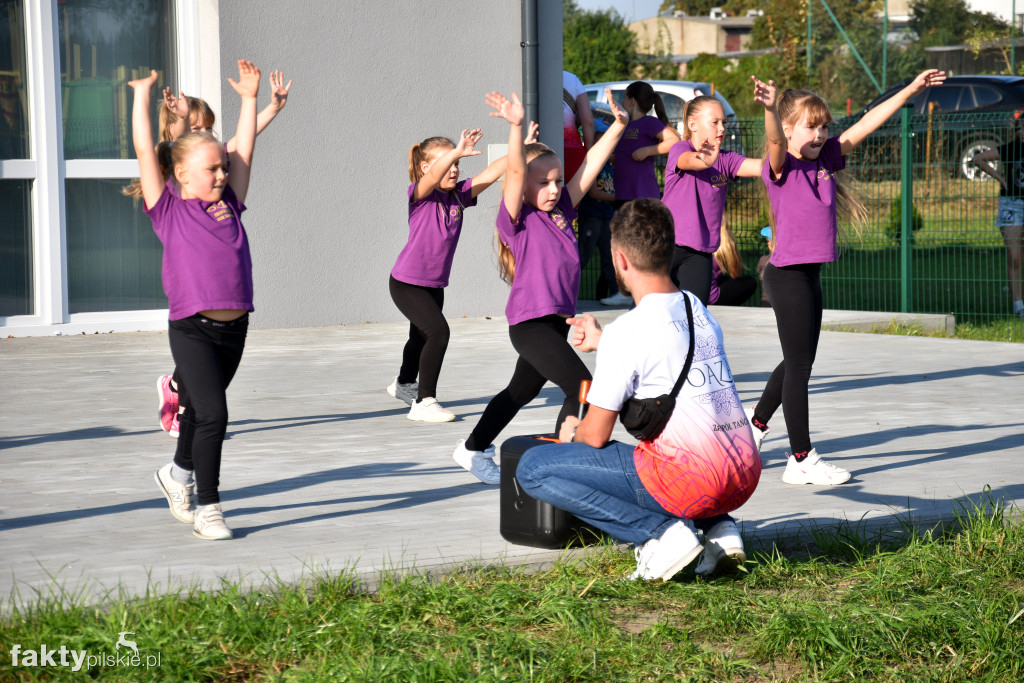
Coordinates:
[702,466]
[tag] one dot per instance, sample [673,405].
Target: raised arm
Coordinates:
[247,86]
[278,98]
[150,177]
[870,122]
[515,172]
[666,138]
[443,164]
[597,155]
[496,168]
[764,94]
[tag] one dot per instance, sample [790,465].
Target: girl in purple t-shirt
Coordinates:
[645,137]
[697,180]
[539,258]
[196,211]
[436,203]
[805,199]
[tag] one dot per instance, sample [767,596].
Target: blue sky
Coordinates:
[632,10]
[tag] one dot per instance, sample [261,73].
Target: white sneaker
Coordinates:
[179,496]
[209,524]
[813,470]
[479,463]
[665,556]
[759,436]
[617,299]
[723,550]
[429,410]
[404,392]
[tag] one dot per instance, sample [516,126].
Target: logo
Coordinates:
[76,660]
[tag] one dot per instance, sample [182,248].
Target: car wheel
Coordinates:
[968,152]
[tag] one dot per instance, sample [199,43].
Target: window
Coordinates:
[72,248]
[113,256]
[985,96]
[946,99]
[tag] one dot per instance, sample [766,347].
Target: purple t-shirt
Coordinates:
[635,179]
[803,199]
[547,261]
[697,198]
[435,223]
[206,263]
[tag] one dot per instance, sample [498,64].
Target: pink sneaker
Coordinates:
[175,425]
[168,403]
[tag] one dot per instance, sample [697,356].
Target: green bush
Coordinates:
[894,227]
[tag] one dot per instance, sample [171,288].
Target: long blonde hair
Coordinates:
[794,104]
[727,255]
[171,154]
[506,259]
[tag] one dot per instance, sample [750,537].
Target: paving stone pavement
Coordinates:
[323,471]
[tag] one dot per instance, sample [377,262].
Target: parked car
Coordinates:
[952,105]
[675,95]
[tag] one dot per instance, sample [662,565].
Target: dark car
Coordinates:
[969,114]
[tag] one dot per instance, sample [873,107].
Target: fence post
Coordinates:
[906,208]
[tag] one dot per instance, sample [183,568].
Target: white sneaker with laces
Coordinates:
[179,496]
[478,463]
[723,550]
[617,299]
[759,436]
[210,525]
[404,392]
[429,410]
[813,470]
[665,556]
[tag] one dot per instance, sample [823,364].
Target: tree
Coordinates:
[951,22]
[597,46]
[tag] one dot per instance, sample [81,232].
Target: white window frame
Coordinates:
[197,34]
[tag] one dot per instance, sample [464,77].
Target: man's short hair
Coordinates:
[645,231]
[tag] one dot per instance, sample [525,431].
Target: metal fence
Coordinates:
[938,252]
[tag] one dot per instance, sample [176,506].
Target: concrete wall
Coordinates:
[327,208]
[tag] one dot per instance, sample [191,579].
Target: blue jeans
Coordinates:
[601,487]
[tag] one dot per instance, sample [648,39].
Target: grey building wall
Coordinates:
[327,206]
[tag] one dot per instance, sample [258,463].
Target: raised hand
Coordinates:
[467,141]
[177,105]
[145,83]
[926,78]
[764,93]
[248,83]
[509,109]
[278,90]
[620,114]
[531,133]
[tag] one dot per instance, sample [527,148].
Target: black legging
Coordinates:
[735,291]
[796,299]
[207,354]
[428,334]
[544,354]
[691,271]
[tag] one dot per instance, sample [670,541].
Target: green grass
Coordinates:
[999,330]
[909,604]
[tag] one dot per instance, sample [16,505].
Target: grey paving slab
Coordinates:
[323,471]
